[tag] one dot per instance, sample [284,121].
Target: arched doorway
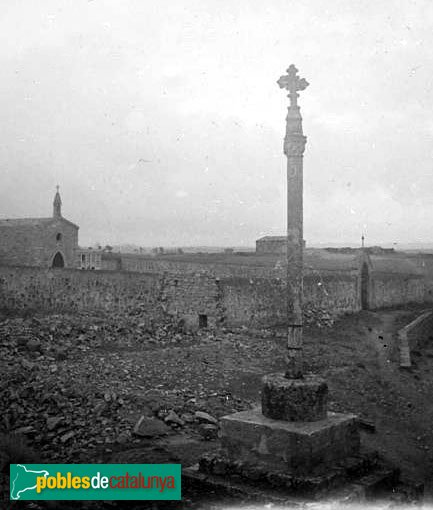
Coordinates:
[364,286]
[58,260]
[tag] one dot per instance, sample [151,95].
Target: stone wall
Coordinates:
[157,297]
[255,302]
[428,293]
[77,290]
[261,302]
[391,289]
[139,263]
[258,302]
[111,261]
[195,298]
[414,336]
[421,333]
[189,297]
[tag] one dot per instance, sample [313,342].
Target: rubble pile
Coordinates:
[318,316]
[78,384]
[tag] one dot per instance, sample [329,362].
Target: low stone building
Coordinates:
[89,258]
[111,261]
[99,259]
[272,245]
[41,242]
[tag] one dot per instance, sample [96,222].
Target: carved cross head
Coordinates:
[292,83]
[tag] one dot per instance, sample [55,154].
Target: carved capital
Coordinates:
[294,145]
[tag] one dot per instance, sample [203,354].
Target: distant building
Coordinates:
[89,258]
[371,250]
[378,250]
[43,242]
[97,259]
[276,245]
[166,251]
[111,261]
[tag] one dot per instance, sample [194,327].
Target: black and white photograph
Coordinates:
[216,254]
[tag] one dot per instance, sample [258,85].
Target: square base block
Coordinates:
[293,447]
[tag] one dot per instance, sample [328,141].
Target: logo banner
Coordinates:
[95,482]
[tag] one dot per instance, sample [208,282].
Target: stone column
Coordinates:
[292,435]
[294,146]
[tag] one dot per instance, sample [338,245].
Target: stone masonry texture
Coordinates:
[302,399]
[296,447]
[231,301]
[35,242]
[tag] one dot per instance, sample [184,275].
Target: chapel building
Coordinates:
[40,242]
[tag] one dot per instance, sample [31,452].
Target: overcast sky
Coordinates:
[163,123]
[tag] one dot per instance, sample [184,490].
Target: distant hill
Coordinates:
[419,247]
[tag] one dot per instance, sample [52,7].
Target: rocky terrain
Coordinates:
[87,388]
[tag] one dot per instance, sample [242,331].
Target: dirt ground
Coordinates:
[359,359]
[96,376]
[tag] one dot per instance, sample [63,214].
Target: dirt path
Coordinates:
[359,358]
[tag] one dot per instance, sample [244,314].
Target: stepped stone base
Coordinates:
[356,479]
[291,463]
[291,447]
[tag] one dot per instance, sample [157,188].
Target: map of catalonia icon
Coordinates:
[23,479]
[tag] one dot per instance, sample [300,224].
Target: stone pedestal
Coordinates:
[290,447]
[303,399]
[306,452]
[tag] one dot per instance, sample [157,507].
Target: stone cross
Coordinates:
[292,83]
[294,146]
